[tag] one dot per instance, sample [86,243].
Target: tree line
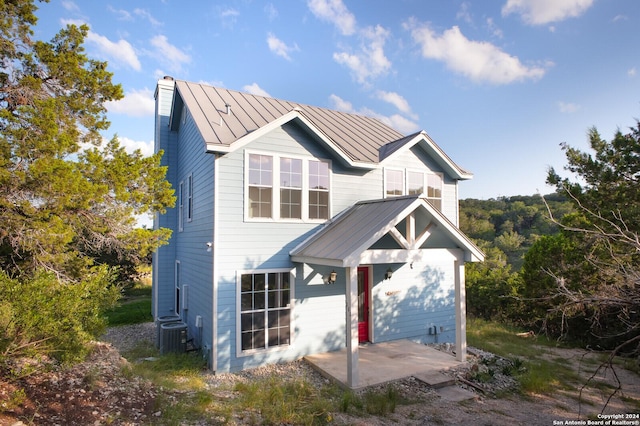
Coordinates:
[566,263]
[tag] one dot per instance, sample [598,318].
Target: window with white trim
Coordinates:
[290,188]
[260,185]
[181,207]
[411,182]
[434,189]
[190,198]
[264,310]
[394,182]
[318,190]
[287,188]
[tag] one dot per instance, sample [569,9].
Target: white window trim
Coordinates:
[275,188]
[190,197]
[292,283]
[177,272]
[181,206]
[385,181]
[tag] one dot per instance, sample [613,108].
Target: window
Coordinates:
[394,182]
[286,188]
[434,190]
[181,207]
[415,183]
[190,198]
[290,188]
[265,310]
[260,185]
[318,190]
[177,283]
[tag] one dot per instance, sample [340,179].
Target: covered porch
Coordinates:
[399,230]
[385,362]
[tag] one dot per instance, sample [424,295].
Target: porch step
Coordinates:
[435,379]
[456,394]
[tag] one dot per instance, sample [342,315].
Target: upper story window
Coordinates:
[287,188]
[190,198]
[399,182]
[181,207]
[318,190]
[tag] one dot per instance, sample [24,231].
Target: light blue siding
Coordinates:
[404,307]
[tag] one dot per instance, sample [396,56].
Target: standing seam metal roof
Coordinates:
[359,137]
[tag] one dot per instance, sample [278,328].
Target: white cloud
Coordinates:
[370,61]
[70,6]
[254,89]
[122,15]
[396,100]
[130,145]
[137,103]
[540,12]
[568,107]
[493,28]
[120,51]
[279,47]
[463,13]
[147,15]
[396,121]
[169,54]
[632,72]
[477,60]
[271,11]
[335,12]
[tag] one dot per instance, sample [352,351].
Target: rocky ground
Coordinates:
[99,391]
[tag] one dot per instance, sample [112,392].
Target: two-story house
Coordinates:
[301,230]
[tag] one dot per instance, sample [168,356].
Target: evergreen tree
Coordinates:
[67,199]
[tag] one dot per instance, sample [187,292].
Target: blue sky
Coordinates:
[497,84]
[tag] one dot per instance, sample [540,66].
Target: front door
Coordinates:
[363,304]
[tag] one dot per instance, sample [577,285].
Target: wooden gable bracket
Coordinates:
[413,241]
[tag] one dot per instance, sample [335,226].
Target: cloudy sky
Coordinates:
[497,84]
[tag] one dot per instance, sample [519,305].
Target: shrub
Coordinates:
[44,315]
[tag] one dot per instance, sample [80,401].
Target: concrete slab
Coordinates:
[435,379]
[383,362]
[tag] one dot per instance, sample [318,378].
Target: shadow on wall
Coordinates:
[421,312]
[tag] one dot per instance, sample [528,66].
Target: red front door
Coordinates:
[363,304]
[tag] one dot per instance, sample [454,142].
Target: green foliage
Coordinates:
[68,199]
[44,315]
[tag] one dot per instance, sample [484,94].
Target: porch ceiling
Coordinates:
[345,239]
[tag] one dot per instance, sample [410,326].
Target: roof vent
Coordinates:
[228,109]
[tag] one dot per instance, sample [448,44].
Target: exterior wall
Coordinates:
[191,244]
[416,159]
[184,155]
[319,319]
[163,258]
[416,299]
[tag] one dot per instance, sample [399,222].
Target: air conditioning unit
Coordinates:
[173,337]
[164,320]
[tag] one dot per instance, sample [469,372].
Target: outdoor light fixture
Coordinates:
[332,277]
[388,274]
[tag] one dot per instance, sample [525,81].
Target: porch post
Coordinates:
[352,326]
[461,311]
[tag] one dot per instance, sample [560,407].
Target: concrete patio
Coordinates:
[387,361]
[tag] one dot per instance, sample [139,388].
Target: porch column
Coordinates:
[461,311]
[352,326]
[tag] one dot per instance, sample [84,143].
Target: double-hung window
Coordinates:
[394,182]
[434,190]
[318,190]
[181,207]
[190,198]
[260,185]
[265,310]
[290,188]
[287,188]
